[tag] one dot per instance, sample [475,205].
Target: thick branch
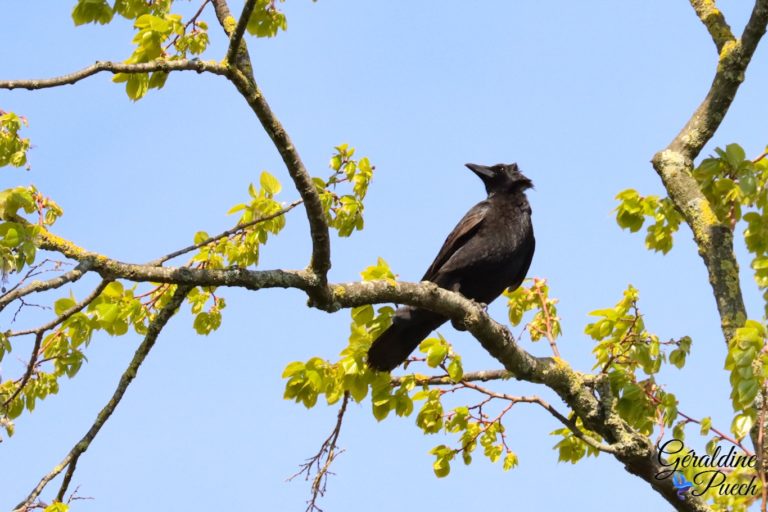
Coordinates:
[321,245]
[241,75]
[114,68]
[112,269]
[732,65]
[675,163]
[70,461]
[577,390]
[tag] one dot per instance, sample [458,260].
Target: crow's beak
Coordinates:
[481,170]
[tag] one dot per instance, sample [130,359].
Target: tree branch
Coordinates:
[321,245]
[675,164]
[70,461]
[114,68]
[241,75]
[237,35]
[639,456]
[713,19]
[111,269]
[438,380]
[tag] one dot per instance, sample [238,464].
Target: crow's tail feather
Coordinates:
[409,327]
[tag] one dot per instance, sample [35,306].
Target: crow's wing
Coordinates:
[463,231]
[530,247]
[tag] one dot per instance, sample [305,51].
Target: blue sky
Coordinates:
[580,96]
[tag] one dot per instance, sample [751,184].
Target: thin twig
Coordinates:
[547,321]
[34,270]
[68,313]
[546,406]
[224,234]
[40,286]
[720,433]
[29,371]
[328,453]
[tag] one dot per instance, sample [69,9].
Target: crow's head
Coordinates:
[501,177]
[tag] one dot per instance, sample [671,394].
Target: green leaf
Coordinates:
[266,20]
[136,85]
[510,461]
[57,506]
[63,304]
[734,154]
[92,11]
[107,314]
[114,290]
[741,424]
[269,184]
[379,271]
[442,465]
[455,370]
[706,425]
[157,79]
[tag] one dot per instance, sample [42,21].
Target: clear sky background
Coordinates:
[580,95]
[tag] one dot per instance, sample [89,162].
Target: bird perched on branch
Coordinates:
[488,251]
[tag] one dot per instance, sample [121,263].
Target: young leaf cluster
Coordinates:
[631,356]
[572,449]
[472,424]
[18,238]
[746,361]
[13,148]
[634,208]
[344,211]
[156,33]
[545,322]
[241,249]
[308,380]
[266,19]
[102,12]
[206,320]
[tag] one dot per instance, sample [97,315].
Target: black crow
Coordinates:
[488,251]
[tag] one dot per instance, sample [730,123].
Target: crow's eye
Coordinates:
[500,168]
